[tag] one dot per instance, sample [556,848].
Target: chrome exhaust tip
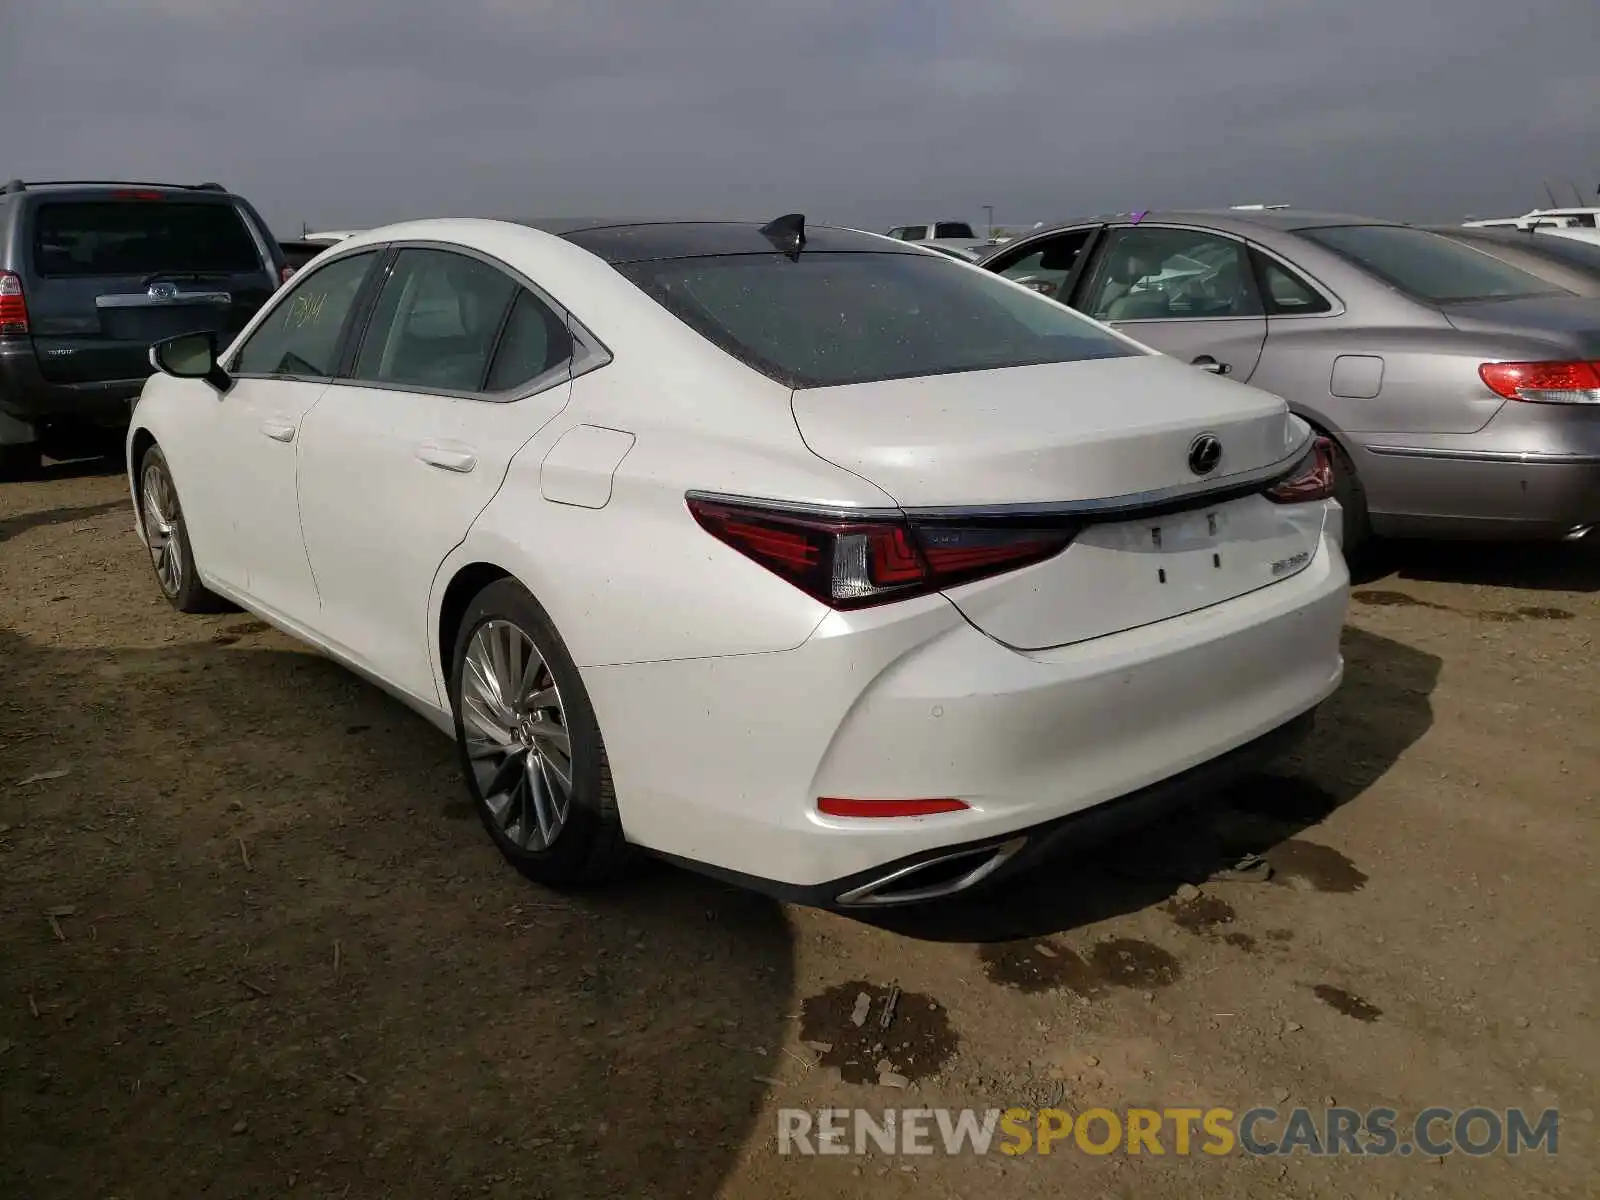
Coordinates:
[934,879]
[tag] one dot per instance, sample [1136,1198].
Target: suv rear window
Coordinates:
[953,229]
[851,317]
[1428,266]
[141,237]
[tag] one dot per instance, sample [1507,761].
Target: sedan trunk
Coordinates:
[1090,442]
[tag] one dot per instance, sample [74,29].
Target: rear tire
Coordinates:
[167,537]
[530,746]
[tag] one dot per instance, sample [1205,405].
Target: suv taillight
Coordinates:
[1312,479]
[284,275]
[1544,382]
[13,306]
[856,562]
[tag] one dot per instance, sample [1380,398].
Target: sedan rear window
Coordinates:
[1426,265]
[141,237]
[836,318]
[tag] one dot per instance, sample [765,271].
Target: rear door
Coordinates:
[1190,293]
[111,272]
[460,365]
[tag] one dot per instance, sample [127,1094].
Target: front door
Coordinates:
[1190,293]
[245,518]
[459,367]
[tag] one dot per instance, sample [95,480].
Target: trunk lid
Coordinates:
[107,277]
[1573,321]
[1042,434]
[1070,437]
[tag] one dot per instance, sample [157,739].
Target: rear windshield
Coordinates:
[853,317]
[952,229]
[1427,265]
[141,237]
[1568,250]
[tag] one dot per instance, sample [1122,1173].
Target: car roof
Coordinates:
[1233,220]
[59,188]
[619,242]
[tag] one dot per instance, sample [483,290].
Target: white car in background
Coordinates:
[1577,224]
[816,562]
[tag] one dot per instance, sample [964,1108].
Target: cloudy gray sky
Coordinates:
[352,112]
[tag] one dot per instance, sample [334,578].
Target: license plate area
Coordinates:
[1180,550]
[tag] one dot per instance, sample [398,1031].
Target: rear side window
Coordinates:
[534,340]
[1428,266]
[953,229]
[839,318]
[141,237]
[1286,294]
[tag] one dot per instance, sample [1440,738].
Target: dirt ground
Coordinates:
[253,943]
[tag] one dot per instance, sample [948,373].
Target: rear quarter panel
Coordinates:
[638,580]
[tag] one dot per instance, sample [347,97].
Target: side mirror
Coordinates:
[191,356]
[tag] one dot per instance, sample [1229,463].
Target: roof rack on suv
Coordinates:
[19,185]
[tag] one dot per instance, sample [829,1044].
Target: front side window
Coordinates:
[1151,273]
[435,323]
[835,318]
[1427,265]
[301,335]
[74,238]
[1046,265]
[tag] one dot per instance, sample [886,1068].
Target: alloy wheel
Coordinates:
[162,520]
[516,735]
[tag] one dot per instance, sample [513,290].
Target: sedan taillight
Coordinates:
[1544,382]
[1312,480]
[850,562]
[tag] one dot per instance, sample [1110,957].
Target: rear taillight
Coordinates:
[284,275]
[1544,382]
[1312,480]
[13,306]
[855,562]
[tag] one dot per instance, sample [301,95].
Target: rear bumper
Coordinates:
[27,396]
[719,762]
[959,868]
[1533,472]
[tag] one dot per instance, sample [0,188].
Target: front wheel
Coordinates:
[530,746]
[161,518]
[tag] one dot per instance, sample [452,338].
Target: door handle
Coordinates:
[451,456]
[278,430]
[1206,363]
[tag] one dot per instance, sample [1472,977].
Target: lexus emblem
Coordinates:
[1205,452]
[163,291]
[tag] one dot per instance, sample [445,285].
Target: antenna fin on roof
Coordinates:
[787,234]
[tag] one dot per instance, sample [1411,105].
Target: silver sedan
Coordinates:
[1462,393]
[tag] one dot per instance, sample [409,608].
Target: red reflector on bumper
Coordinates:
[833,806]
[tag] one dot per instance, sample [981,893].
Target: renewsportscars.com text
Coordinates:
[1381,1132]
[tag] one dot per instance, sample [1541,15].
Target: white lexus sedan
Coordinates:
[803,557]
